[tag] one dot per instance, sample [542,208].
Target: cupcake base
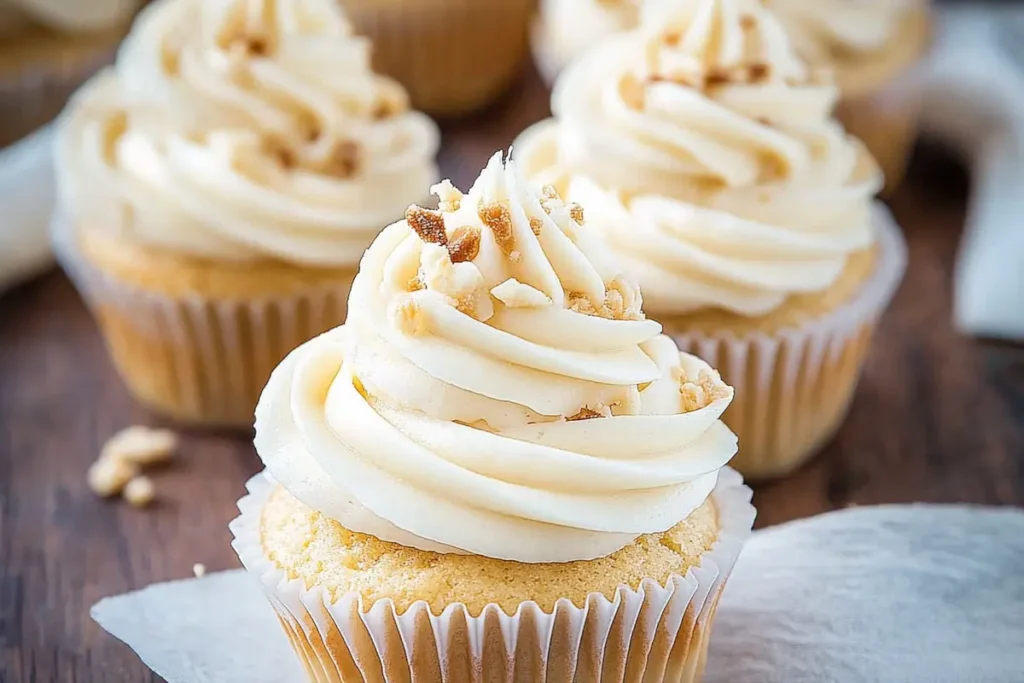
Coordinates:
[194,342]
[794,385]
[651,632]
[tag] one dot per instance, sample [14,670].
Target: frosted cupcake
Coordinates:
[707,153]
[218,187]
[871,45]
[564,29]
[497,466]
[454,56]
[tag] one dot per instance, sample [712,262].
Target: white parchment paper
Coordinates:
[903,593]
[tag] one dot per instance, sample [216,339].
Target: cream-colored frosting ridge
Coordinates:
[496,390]
[244,129]
[709,155]
[565,29]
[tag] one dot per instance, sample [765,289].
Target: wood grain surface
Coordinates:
[937,418]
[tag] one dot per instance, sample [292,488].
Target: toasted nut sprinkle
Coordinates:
[536,224]
[464,244]
[759,72]
[108,476]
[140,491]
[698,394]
[429,225]
[408,317]
[587,413]
[576,212]
[141,445]
[498,218]
[199,570]
[716,77]
[415,284]
[549,192]
[346,159]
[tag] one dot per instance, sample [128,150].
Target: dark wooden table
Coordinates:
[938,418]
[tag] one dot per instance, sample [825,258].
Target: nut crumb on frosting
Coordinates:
[622,302]
[576,212]
[429,225]
[515,294]
[535,225]
[346,159]
[759,73]
[702,392]
[588,413]
[498,218]
[464,244]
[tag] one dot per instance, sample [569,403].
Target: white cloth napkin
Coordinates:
[905,593]
[974,99]
[27,196]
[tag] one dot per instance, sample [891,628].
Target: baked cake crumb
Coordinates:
[464,244]
[429,225]
[140,491]
[498,218]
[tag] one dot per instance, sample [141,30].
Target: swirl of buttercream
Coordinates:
[823,31]
[496,391]
[709,154]
[243,129]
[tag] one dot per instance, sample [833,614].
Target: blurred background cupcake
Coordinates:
[218,186]
[453,56]
[709,156]
[497,456]
[871,45]
[565,29]
[47,49]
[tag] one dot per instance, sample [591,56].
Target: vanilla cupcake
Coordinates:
[453,56]
[872,46]
[218,187]
[708,155]
[497,465]
[565,29]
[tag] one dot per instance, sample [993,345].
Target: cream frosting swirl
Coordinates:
[565,29]
[245,129]
[710,157]
[496,391]
[824,30]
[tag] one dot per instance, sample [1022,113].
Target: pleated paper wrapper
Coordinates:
[794,387]
[654,633]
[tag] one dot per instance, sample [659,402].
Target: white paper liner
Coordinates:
[656,632]
[794,386]
[197,360]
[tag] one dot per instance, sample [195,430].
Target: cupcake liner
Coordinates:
[654,633]
[794,386]
[453,56]
[197,360]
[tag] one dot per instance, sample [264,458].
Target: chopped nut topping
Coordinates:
[747,21]
[429,225]
[256,46]
[140,446]
[464,244]
[199,570]
[535,225]
[759,72]
[408,317]
[498,218]
[587,413]
[285,157]
[415,284]
[549,192]
[716,77]
[346,159]
[140,491]
[576,212]
[622,302]
[764,120]
[108,476]
[701,393]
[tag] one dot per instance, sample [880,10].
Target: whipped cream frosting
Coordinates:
[568,28]
[823,31]
[709,155]
[245,129]
[496,391]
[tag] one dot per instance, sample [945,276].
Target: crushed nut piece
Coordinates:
[346,159]
[698,394]
[622,302]
[587,413]
[759,72]
[140,491]
[515,257]
[108,476]
[140,446]
[464,244]
[429,225]
[415,284]
[535,225]
[408,317]
[498,218]
[716,77]
[199,570]
[285,157]
[576,212]
[748,21]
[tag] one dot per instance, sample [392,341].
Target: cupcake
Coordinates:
[218,186]
[47,49]
[564,29]
[453,56]
[708,155]
[498,466]
[871,45]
